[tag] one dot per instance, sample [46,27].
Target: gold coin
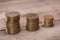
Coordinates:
[32,22]
[48,20]
[12,23]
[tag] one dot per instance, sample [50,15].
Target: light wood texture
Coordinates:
[44,7]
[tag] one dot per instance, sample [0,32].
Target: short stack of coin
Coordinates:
[12,23]
[32,22]
[48,20]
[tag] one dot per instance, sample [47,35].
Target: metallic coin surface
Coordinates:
[12,23]
[32,22]
[48,20]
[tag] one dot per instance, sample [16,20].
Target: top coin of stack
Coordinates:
[12,22]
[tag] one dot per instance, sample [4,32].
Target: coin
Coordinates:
[12,23]
[32,22]
[48,20]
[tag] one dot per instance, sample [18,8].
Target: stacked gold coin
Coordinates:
[48,20]
[12,22]
[32,22]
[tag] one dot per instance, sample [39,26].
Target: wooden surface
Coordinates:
[40,7]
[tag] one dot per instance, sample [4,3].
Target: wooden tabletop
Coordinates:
[32,6]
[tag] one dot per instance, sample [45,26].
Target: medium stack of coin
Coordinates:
[48,20]
[12,23]
[32,22]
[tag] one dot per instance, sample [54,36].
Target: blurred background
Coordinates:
[41,7]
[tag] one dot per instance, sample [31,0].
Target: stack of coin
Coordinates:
[12,23]
[48,20]
[32,22]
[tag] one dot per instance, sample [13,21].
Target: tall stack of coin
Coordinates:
[12,22]
[32,22]
[48,20]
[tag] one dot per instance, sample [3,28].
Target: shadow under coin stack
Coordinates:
[12,23]
[48,21]
[32,22]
